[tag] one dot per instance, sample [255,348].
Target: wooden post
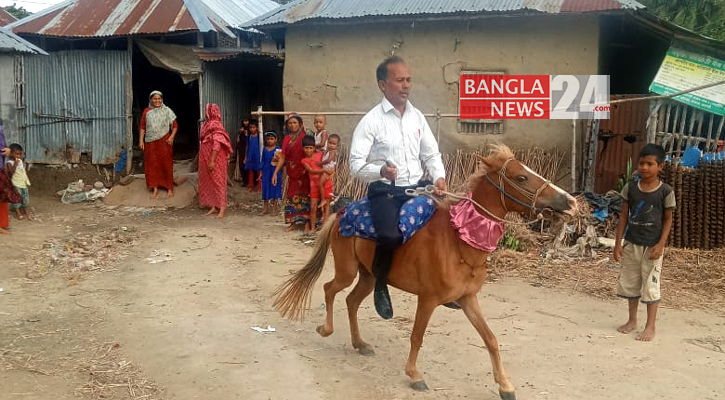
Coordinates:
[260,127]
[653,120]
[592,157]
[129,106]
[129,125]
[438,126]
[573,155]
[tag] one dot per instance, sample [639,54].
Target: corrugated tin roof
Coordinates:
[6,17]
[92,18]
[301,10]
[10,42]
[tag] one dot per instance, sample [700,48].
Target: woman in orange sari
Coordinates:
[156,139]
[214,152]
[297,204]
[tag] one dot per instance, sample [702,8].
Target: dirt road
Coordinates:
[165,310]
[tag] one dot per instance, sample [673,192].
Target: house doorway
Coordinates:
[182,98]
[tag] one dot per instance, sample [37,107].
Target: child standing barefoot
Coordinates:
[19,177]
[647,218]
[252,161]
[270,157]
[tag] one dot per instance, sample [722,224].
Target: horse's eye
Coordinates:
[521,178]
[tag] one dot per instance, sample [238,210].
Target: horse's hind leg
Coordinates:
[345,271]
[472,309]
[364,287]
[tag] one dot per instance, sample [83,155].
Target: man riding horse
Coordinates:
[398,133]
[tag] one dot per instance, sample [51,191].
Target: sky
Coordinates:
[31,5]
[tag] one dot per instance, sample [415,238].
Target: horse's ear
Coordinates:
[487,162]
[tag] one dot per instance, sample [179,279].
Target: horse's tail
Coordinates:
[293,297]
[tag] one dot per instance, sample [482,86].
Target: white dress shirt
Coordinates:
[406,141]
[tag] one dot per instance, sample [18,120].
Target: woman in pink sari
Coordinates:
[214,151]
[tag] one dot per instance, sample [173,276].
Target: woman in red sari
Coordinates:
[156,138]
[297,205]
[214,152]
[8,194]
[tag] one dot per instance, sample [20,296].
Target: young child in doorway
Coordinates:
[644,223]
[320,133]
[241,149]
[328,163]
[19,176]
[270,156]
[253,161]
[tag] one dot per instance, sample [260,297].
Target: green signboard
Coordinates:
[682,70]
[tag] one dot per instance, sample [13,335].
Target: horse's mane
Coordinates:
[498,154]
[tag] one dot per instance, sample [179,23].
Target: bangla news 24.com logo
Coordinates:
[534,97]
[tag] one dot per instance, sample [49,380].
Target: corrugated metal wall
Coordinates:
[626,121]
[87,87]
[223,83]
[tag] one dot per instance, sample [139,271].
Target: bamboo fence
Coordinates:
[459,167]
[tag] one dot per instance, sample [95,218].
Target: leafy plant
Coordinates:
[624,179]
[509,241]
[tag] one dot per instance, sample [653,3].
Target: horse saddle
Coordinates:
[414,214]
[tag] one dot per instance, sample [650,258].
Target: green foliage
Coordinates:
[706,17]
[17,12]
[509,241]
[624,179]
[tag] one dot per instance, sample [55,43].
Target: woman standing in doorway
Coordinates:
[156,139]
[214,152]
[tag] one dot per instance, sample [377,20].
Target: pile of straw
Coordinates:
[690,278]
[111,377]
[459,167]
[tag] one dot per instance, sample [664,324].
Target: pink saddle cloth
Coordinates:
[474,228]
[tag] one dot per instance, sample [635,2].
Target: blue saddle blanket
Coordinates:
[414,214]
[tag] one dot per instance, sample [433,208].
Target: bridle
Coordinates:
[502,178]
[532,196]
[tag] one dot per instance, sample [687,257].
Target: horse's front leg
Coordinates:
[422,317]
[472,309]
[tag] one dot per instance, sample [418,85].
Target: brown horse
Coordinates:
[435,264]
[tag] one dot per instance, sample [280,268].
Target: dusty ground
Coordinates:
[105,303]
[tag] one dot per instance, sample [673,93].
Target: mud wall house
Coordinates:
[331,49]
[14,51]
[105,58]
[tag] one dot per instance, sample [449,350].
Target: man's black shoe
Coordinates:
[454,305]
[382,303]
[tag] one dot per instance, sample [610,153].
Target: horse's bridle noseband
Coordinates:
[533,196]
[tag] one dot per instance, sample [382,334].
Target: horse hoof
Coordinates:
[507,395]
[366,350]
[321,330]
[420,386]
